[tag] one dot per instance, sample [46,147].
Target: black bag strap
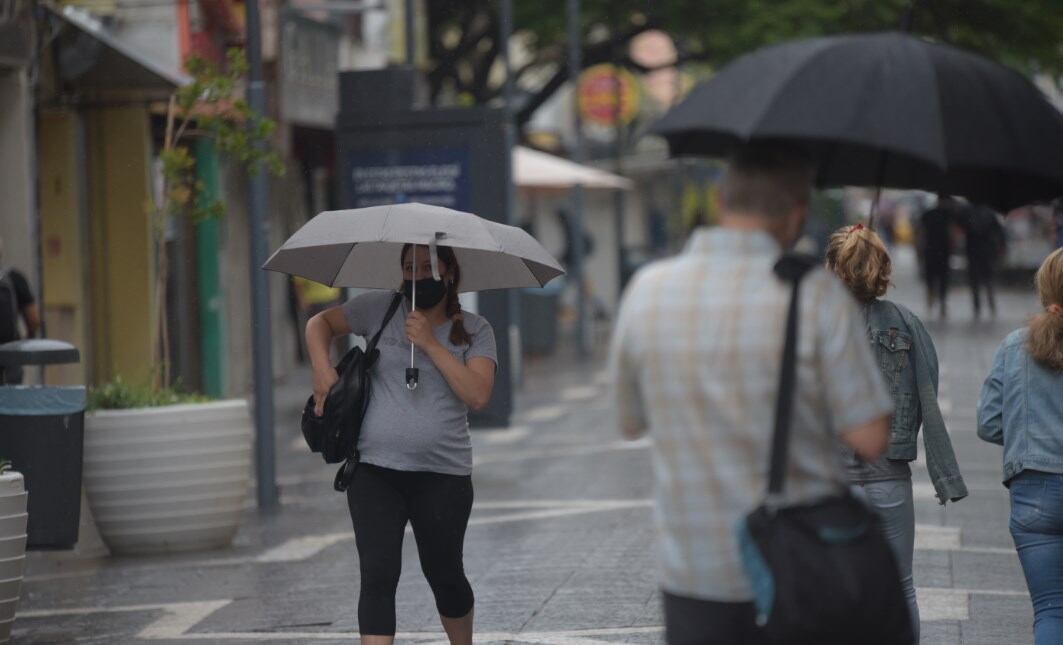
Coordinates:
[791,268]
[392,308]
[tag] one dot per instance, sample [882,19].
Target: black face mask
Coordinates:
[429,292]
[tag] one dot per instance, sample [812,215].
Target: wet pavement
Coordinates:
[559,548]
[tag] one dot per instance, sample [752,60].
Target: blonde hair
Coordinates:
[857,255]
[1045,340]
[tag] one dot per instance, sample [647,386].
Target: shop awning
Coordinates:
[92,58]
[538,170]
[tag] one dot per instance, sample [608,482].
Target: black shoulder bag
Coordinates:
[822,572]
[335,433]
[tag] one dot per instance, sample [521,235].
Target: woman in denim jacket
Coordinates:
[1021,408]
[909,364]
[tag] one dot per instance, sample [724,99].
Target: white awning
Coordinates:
[537,170]
[90,56]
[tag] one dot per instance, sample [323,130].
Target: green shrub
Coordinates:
[120,394]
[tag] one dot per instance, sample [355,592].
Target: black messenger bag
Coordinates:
[335,433]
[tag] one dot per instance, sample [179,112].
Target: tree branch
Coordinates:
[592,55]
[448,59]
[692,57]
[525,68]
[482,73]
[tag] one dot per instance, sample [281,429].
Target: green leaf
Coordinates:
[119,394]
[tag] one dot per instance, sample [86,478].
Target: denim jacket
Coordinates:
[1021,408]
[909,362]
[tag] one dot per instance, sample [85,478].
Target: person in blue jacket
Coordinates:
[1021,408]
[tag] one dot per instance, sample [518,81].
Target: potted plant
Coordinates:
[165,470]
[13,521]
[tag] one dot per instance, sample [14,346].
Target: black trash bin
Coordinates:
[538,320]
[42,433]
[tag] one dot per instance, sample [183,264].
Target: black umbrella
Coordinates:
[885,109]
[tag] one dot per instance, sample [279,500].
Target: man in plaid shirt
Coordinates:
[695,361]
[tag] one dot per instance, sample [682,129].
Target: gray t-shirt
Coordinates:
[426,429]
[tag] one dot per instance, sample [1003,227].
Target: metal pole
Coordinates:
[505,29]
[258,234]
[618,194]
[411,29]
[574,67]
[29,86]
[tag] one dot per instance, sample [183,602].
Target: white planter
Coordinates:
[173,478]
[13,520]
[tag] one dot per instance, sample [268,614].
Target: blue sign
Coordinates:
[437,176]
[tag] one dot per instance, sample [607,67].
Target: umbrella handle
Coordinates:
[411,371]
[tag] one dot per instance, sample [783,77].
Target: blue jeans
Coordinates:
[1037,528]
[893,502]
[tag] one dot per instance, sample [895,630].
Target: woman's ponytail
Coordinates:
[857,255]
[458,335]
[1045,338]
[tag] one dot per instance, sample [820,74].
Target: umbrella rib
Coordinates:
[780,90]
[525,261]
[494,238]
[386,224]
[332,282]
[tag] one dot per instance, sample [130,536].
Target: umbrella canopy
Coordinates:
[884,109]
[534,169]
[361,247]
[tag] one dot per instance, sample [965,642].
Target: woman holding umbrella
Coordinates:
[416,455]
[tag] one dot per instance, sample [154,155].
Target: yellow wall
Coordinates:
[62,240]
[119,162]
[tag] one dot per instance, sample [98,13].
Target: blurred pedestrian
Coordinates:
[984,248]
[695,360]
[416,454]
[1021,408]
[908,361]
[936,242]
[17,305]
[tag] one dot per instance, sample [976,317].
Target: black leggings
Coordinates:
[381,501]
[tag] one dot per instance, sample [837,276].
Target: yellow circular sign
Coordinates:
[600,87]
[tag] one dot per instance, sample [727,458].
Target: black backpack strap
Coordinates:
[792,267]
[392,308]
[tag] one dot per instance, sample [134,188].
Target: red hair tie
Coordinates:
[856,227]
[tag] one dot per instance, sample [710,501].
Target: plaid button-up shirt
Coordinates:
[695,361]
